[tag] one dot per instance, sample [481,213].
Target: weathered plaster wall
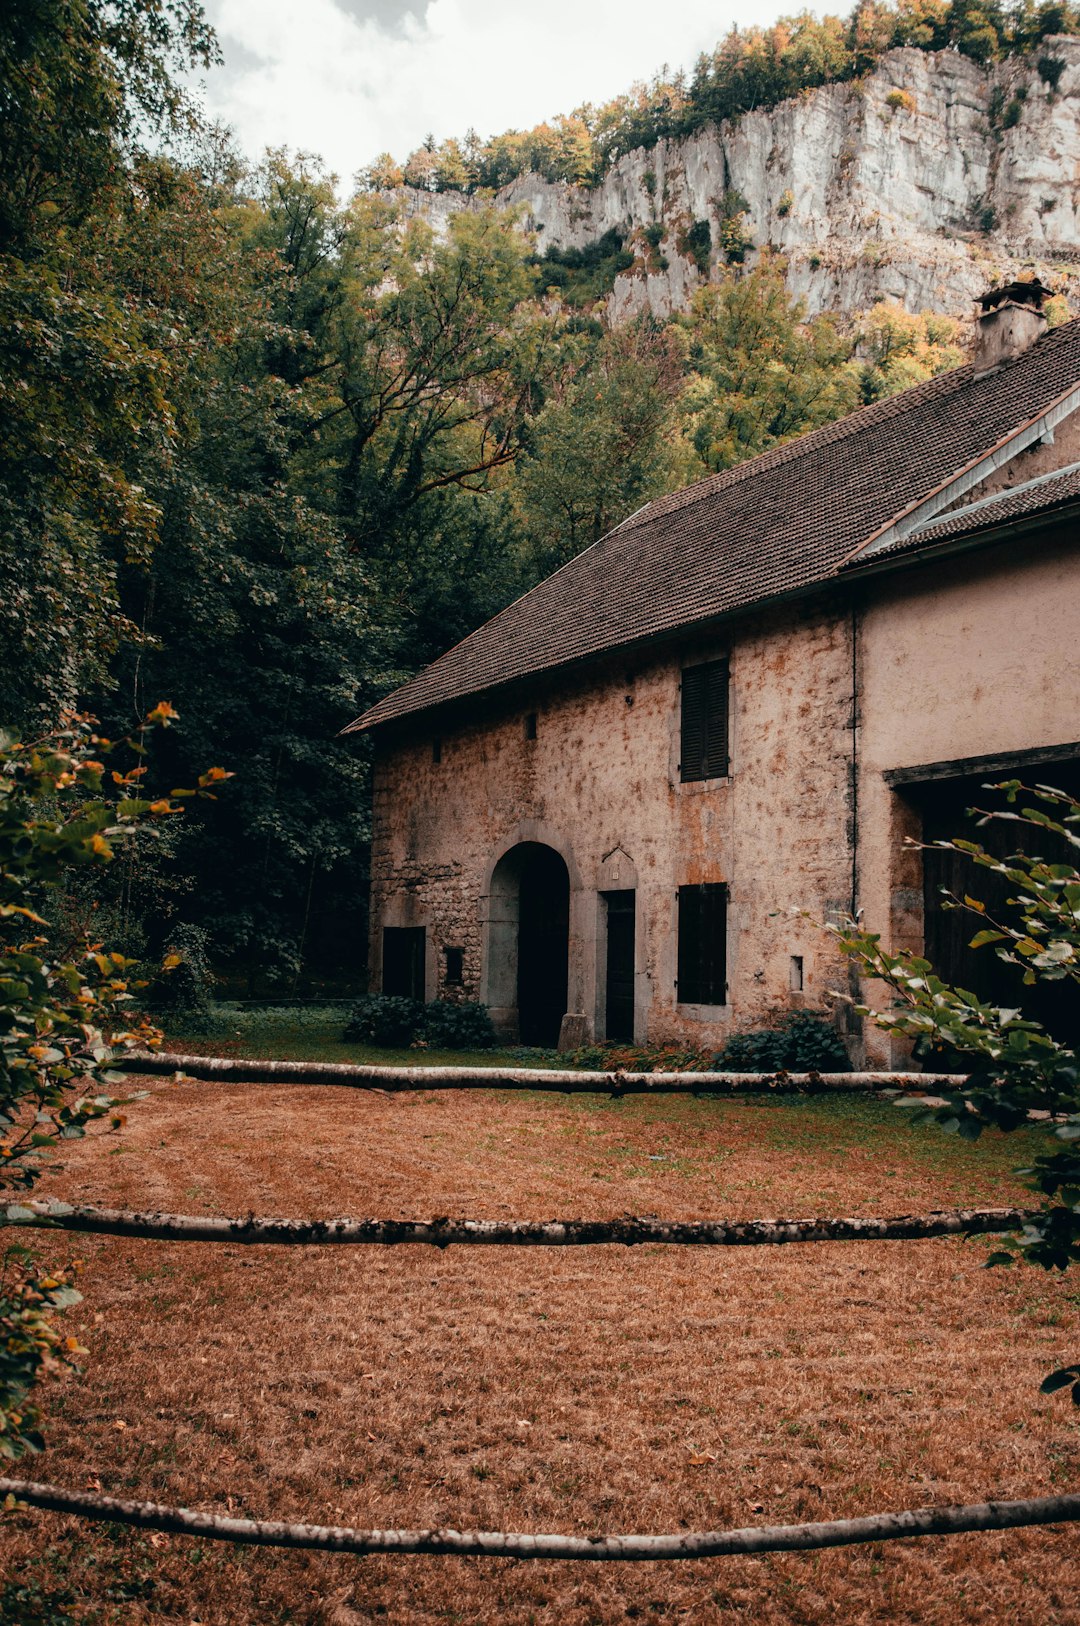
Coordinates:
[602,777]
[974,656]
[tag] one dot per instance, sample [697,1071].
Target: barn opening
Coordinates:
[529,943]
[942,800]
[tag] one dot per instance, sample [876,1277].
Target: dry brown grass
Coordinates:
[574,1390]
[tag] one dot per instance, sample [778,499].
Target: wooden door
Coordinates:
[619,983]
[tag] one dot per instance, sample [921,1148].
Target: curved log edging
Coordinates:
[443,1232]
[782,1538]
[565,1081]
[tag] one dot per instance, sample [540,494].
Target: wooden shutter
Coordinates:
[702,947]
[704,737]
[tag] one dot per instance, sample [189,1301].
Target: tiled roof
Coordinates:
[1035,497]
[776,525]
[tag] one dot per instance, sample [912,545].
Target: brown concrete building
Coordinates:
[611,799]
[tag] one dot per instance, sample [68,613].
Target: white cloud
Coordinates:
[348,84]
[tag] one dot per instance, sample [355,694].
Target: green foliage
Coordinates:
[457,1025]
[761,372]
[800,1042]
[1015,1066]
[31,1346]
[698,245]
[185,990]
[66,1008]
[387,1020]
[584,276]
[391,1022]
[1051,69]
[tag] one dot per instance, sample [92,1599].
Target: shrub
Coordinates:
[801,1042]
[384,1019]
[786,203]
[463,1025]
[1051,69]
[185,989]
[699,245]
[900,101]
[392,1021]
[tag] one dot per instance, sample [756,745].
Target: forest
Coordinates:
[267,448]
[749,68]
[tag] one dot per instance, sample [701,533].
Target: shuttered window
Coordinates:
[702,977]
[704,747]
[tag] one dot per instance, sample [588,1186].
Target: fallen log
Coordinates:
[567,1081]
[777,1538]
[442,1232]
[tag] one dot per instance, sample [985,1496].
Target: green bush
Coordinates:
[457,1026]
[801,1042]
[187,988]
[384,1019]
[389,1020]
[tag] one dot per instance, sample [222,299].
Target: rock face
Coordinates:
[921,183]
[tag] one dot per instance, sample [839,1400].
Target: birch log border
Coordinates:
[442,1232]
[564,1081]
[777,1538]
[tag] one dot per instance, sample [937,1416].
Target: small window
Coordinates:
[530,725]
[436,749]
[455,967]
[702,977]
[796,973]
[704,731]
[403,949]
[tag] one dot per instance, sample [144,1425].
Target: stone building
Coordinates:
[602,811]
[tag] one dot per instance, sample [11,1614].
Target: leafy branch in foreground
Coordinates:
[66,1010]
[1016,1067]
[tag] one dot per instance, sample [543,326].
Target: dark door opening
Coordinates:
[947,933]
[403,961]
[543,943]
[619,1006]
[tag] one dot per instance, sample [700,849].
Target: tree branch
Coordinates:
[781,1538]
[629,1231]
[234,1070]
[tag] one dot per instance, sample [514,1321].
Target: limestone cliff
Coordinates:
[920,184]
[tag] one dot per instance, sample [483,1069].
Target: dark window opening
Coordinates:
[436,749]
[796,973]
[702,974]
[619,977]
[403,961]
[530,725]
[704,722]
[455,967]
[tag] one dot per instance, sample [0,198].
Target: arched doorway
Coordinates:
[529,941]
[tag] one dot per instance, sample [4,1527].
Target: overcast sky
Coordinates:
[351,78]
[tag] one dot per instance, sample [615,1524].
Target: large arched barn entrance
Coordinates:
[529,942]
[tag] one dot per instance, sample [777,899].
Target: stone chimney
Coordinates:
[1010,321]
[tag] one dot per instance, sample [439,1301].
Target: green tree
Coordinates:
[604,443]
[763,374]
[1015,1066]
[66,1012]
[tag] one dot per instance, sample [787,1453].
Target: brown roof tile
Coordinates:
[776,525]
[1035,497]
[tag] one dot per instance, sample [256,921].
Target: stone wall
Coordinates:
[934,663]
